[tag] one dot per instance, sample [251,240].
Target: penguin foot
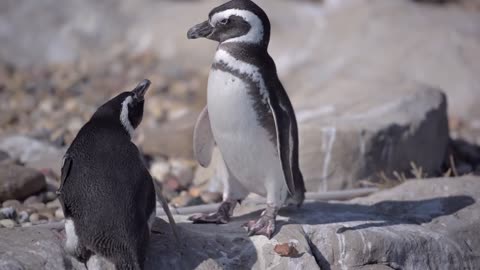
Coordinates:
[265,225]
[222,216]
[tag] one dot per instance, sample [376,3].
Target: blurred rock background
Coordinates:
[384,90]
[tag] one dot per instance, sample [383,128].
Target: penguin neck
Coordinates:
[105,122]
[242,46]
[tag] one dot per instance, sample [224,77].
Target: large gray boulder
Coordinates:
[421,224]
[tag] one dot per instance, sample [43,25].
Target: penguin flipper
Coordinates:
[203,141]
[285,138]
[66,167]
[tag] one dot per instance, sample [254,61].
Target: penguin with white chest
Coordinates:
[107,193]
[248,116]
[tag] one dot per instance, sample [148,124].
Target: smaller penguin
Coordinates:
[106,192]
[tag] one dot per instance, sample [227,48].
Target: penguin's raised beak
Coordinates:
[141,89]
[201,30]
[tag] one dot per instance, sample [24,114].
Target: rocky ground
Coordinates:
[376,102]
[422,224]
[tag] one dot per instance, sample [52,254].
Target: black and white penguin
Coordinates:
[248,116]
[107,193]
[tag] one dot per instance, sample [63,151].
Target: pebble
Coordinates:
[49,196]
[171,183]
[26,224]
[34,217]
[46,216]
[7,223]
[182,200]
[8,213]
[54,204]
[183,171]
[23,217]
[195,192]
[12,203]
[32,200]
[211,197]
[37,206]
[160,170]
[59,214]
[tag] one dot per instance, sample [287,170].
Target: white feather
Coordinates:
[254,35]
[71,243]
[124,116]
[244,68]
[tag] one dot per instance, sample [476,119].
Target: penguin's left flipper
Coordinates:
[66,166]
[65,172]
[285,138]
[203,142]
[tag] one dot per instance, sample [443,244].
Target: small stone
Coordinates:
[59,214]
[34,217]
[183,170]
[46,216]
[195,192]
[23,217]
[160,170]
[26,224]
[171,183]
[8,213]
[211,197]
[54,204]
[286,250]
[31,200]
[182,200]
[7,223]
[37,206]
[49,196]
[12,203]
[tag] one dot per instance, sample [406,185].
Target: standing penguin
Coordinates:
[106,192]
[248,116]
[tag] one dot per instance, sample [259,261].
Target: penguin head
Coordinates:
[126,109]
[240,21]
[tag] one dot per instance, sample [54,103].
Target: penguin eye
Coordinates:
[224,21]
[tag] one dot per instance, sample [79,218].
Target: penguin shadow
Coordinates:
[381,214]
[208,246]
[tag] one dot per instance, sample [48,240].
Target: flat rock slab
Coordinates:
[422,224]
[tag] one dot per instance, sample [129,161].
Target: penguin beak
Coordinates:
[141,89]
[202,30]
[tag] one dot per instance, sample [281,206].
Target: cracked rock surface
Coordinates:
[421,224]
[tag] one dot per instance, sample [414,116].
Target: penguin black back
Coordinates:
[106,192]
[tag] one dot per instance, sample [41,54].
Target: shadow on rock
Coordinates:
[202,246]
[381,214]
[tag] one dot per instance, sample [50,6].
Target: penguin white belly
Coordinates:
[245,145]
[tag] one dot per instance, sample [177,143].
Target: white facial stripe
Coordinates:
[244,68]
[124,116]
[254,35]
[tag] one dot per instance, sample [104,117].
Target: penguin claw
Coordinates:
[264,226]
[216,218]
